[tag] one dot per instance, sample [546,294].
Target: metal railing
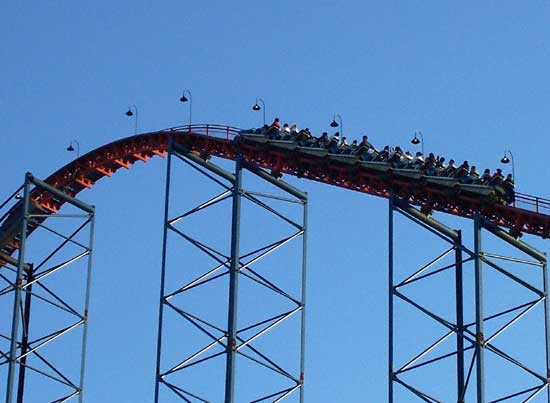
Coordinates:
[532,203]
[209,130]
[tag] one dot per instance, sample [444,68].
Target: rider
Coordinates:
[497,177]
[323,140]
[473,176]
[508,186]
[303,137]
[486,177]
[274,131]
[333,143]
[450,170]
[363,149]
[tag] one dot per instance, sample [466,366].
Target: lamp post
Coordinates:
[257,107]
[71,148]
[184,99]
[129,113]
[415,140]
[506,160]
[334,123]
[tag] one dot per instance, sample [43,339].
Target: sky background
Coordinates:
[473,77]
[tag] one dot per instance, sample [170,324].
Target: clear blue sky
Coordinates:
[472,76]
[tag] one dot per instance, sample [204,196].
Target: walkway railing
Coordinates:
[209,130]
[532,203]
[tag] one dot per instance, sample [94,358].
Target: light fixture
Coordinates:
[334,123]
[415,140]
[71,148]
[129,113]
[257,107]
[184,99]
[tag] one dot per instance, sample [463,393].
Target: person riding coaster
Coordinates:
[383,155]
[462,171]
[473,177]
[395,158]
[365,151]
[332,145]
[304,138]
[322,141]
[509,191]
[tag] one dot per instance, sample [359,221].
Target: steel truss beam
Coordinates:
[236,340]
[32,369]
[470,338]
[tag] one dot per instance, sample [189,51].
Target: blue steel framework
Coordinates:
[27,361]
[22,279]
[470,337]
[232,341]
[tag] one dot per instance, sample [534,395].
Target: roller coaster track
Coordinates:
[529,214]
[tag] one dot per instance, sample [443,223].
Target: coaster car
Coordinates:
[493,192]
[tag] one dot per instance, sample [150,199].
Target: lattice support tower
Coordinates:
[46,292]
[238,339]
[452,352]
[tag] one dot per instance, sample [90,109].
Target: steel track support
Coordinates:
[303,318]
[459,295]
[480,352]
[231,348]
[391,297]
[158,378]
[29,272]
[526,284]
[62,247]
[234,340]
[397,292]
[546,326]
[12,360]
[529,277]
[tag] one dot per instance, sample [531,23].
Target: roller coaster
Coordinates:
[414,193]
[529,215]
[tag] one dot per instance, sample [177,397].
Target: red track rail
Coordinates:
[530,214]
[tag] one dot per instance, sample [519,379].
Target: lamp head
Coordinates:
[70,148]
[415,140]
[256,107]
[183,99]
[334,123]
[129,112]
[505,159]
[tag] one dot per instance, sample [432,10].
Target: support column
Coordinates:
[163,270]
[303,325]
[459,283]
[25,337]
[390,298]
[17,293]
[546,324]
[233,284]
[86,311]
[480,370]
